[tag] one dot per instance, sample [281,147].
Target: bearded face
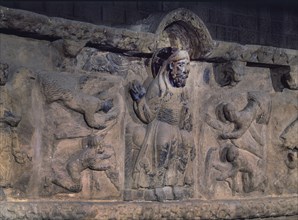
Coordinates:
[179,72]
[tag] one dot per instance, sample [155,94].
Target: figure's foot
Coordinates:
[70,186]
[76,188]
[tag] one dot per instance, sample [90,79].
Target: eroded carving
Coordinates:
[59,87]
[287,181]
[242,152]
[290,79]
[167,150]
[230,73]
[10,152]
[103,118]
[94,156]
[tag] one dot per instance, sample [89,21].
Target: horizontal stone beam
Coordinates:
[257,54]
[195,209]
[99,36]
[130,41]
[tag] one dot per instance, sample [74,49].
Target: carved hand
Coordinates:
[137,91]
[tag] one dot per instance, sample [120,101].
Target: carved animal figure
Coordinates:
[258,108]
[61,88]
[249,165]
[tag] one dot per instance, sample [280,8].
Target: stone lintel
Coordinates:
[272,207]
[255,54]
[56,28]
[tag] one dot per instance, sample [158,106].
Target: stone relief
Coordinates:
[93,156]
[288,181]
[100,114]
[55,88]
[165,149]
[134,118]
[11,151]
[241,157]
[229,73]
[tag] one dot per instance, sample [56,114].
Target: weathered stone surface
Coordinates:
[151,123]
[224,51]
[57,28]
[194,209]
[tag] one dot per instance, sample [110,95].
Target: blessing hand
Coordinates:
[137,91]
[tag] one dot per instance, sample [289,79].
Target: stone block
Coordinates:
[290,26]
[264,25]
[241,8]
[276,13]
[149,195]
[88,11]
[227,33]
[113,15]
[219,17]
[211,29]
[215,5]
[248,37]
[276,39]
[203,13]
[245,22]
[264,37]
[291,41]
[132,16]
[168,193]
[59,9]
[151,7]
[277,27]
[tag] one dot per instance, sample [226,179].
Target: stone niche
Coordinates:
[150,121]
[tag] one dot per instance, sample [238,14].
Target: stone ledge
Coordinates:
[269,207]
[38,25]
[271,56]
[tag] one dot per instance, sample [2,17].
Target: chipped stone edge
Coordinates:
[191,209]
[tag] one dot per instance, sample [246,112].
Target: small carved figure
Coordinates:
[93,156]
[167,149]
[230,73]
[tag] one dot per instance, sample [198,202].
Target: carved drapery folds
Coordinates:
[163,162]
[158,111]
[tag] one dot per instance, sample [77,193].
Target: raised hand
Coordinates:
[137,91]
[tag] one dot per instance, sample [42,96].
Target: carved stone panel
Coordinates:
[94,117]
